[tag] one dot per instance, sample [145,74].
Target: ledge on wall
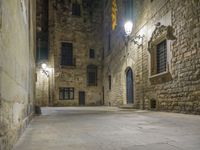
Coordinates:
[160,78]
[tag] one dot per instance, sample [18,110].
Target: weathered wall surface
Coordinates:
[182,92]
[42,88]
[84,32]
[17,69]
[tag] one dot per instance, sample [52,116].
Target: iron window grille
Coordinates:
[76,9]
[161,55]
[67,54]
[66,93]
[92,75]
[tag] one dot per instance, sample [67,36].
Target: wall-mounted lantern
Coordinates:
[128,28]
[45,69]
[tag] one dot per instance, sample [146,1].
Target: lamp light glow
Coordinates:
[128,26]
[44,66]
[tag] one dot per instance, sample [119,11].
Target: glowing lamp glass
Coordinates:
[44,66]
[128,26]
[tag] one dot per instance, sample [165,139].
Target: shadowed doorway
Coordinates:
[129,86]
[82,98]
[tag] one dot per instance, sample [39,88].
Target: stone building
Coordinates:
[75,52]
[158,65]
[93,62]
[17,68]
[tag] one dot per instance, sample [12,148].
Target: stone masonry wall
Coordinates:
[42,88]
[17,69]
[179,94]
[85,32]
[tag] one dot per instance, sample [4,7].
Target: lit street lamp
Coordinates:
[128,26]
[44,66]
[45,69]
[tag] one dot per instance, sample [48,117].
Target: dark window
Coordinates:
[92,53]
[92,75]
[66,54]
[161,57]
[66,93]
[76,9]
[109,81]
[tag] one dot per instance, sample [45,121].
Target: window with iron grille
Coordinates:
[66,54]
[161,52]
[66,93]
[92,75]
[76,9]
[92,53]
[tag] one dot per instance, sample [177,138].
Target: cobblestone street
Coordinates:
[110,128]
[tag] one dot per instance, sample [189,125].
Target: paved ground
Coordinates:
[103,128]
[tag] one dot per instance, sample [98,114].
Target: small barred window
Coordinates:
[161,57]
[66,93]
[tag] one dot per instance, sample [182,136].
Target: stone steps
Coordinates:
[128,106]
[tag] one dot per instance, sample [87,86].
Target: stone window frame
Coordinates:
[160,34]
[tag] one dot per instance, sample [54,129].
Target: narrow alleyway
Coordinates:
[107,128]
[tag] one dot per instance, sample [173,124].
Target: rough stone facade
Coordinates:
[85,33]
[178,89]
[42,88]
[174,21]
[17,68]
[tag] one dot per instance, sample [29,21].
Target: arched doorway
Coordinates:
[129,86]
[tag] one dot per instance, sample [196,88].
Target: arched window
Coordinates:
[92,75]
